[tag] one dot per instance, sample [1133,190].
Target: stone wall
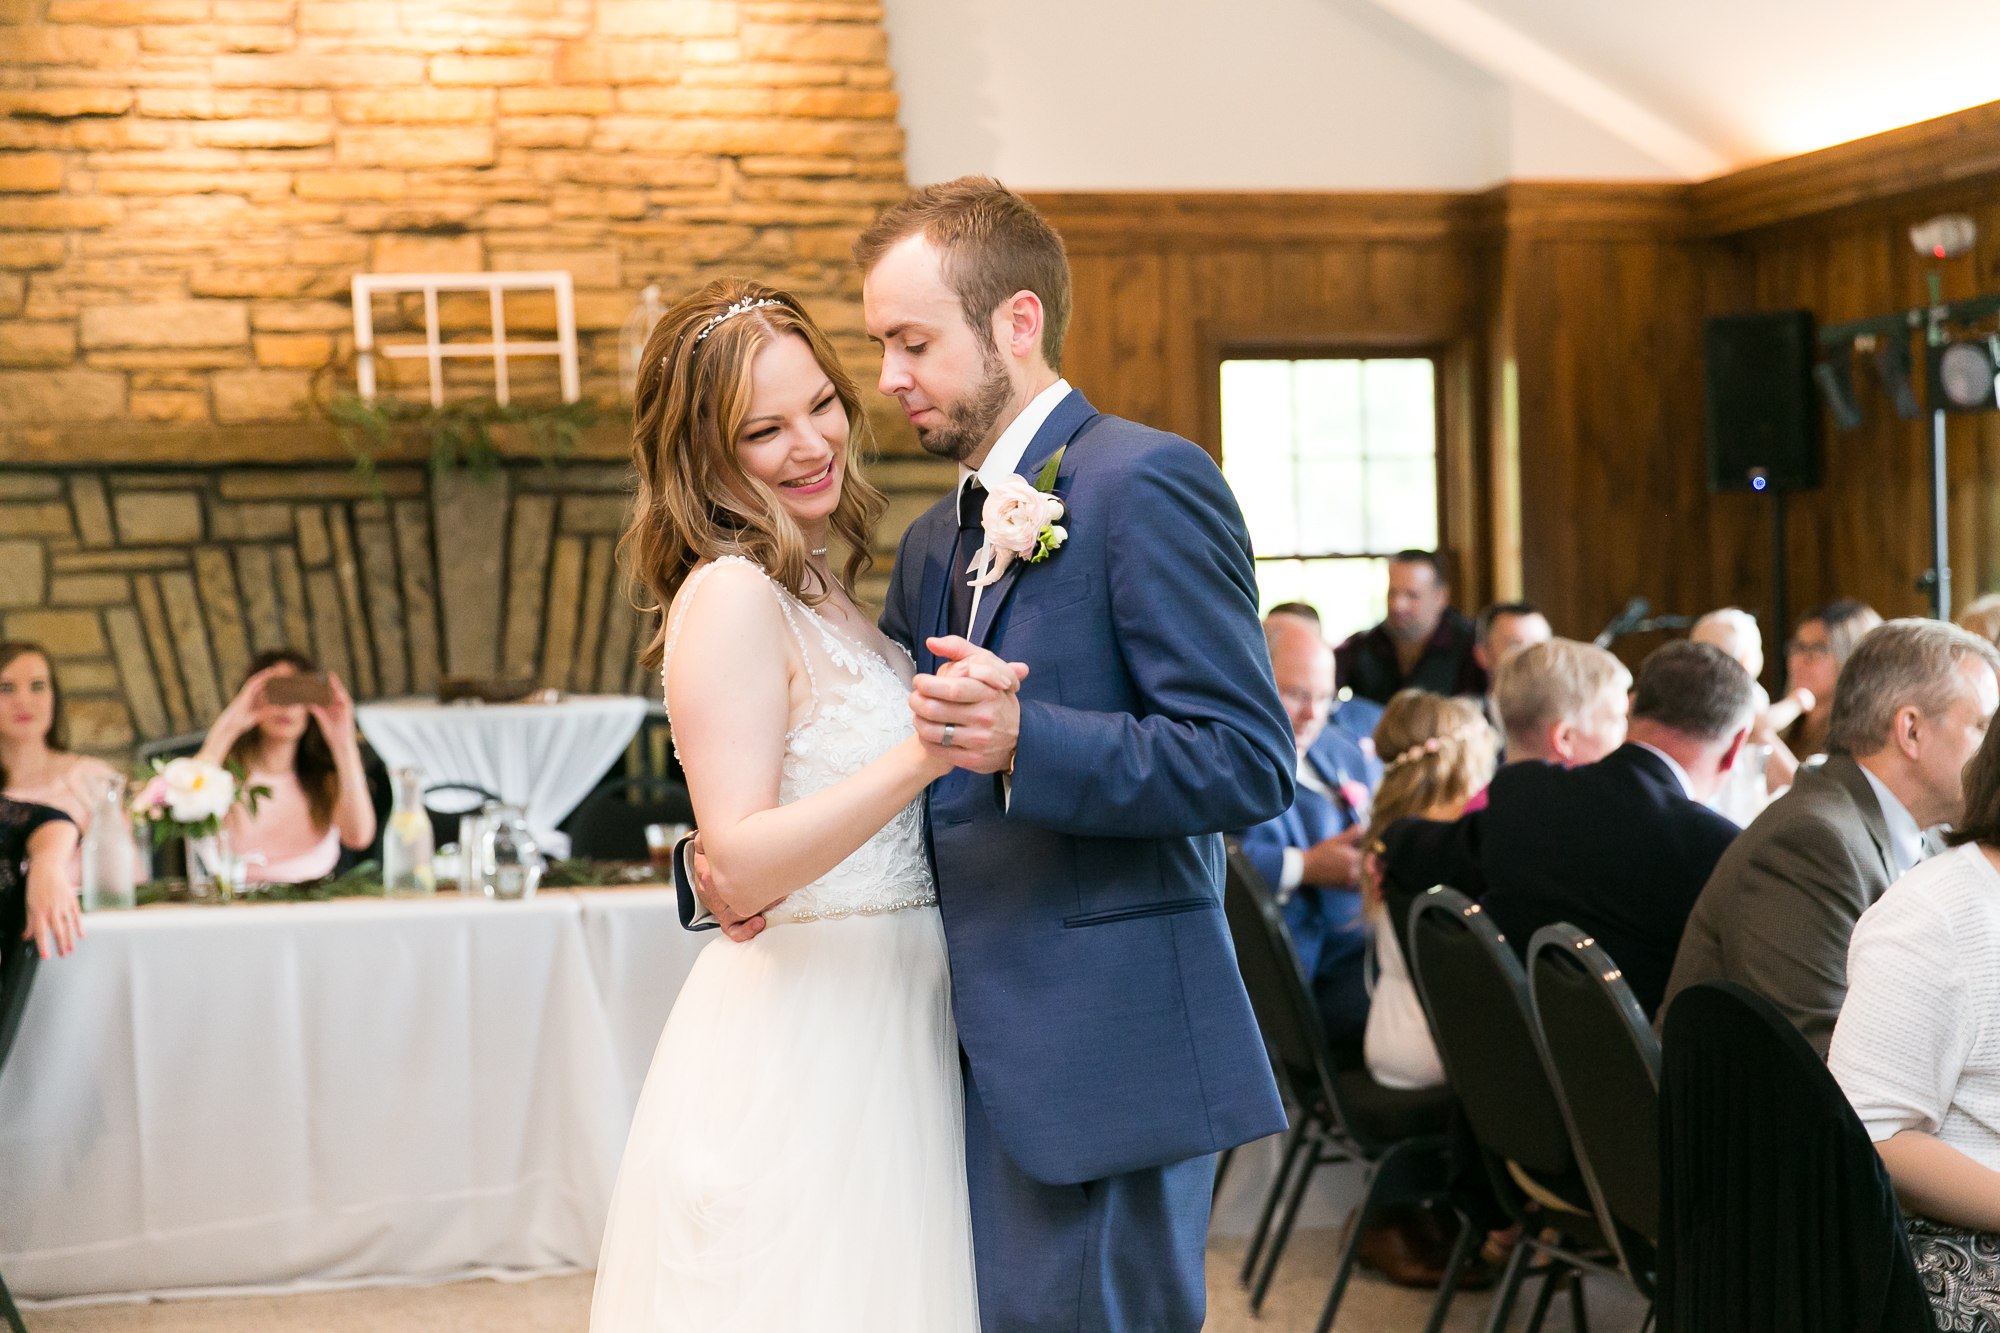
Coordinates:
[188,186]
[152,588]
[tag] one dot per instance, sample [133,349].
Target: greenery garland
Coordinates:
[460,434]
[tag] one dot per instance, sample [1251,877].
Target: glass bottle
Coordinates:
[107,851]
[406,842]
[512,863]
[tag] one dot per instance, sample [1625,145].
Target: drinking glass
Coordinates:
[513,864]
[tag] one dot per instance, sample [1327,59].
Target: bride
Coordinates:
[797,1160]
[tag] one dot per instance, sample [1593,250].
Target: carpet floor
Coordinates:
[562,1305]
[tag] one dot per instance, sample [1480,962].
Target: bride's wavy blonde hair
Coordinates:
[695,501]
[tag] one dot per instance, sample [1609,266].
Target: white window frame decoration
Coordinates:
[433,350]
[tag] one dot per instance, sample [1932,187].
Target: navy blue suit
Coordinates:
[1108,1045]
[1324,922]
[1356,719]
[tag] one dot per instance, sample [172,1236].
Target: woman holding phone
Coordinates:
[291,729]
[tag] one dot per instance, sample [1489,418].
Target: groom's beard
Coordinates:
[969,421]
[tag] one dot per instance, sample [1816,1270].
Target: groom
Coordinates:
[1108,1047]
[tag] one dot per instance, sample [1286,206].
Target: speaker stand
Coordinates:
[1939,576]
[1780,622]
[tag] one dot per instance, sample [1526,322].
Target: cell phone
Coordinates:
[301,688]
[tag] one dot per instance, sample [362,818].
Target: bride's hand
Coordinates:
[738,928]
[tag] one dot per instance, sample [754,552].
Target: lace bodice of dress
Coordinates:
[859,711]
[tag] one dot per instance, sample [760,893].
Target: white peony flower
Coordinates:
[1015,517]
[197,791]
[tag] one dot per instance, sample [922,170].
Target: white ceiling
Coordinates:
[1753,80]
[1414,94]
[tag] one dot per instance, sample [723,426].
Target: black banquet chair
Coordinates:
[18,961]
[1344,1115]
[1604,1064]
[445,802]
[1776,1213]
[611,823]
[1476,996]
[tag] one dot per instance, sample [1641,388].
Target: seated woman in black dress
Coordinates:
[37,902]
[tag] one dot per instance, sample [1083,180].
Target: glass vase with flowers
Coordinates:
[189,798]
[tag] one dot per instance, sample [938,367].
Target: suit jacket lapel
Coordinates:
[1056,432]
[1844,770]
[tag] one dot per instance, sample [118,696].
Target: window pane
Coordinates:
[1332,456]
[1350,595]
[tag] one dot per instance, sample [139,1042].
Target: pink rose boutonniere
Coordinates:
[1356,796]
[1021,524]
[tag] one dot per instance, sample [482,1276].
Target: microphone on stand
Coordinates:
[1625,622]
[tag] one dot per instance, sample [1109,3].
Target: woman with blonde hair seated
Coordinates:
[1437,753]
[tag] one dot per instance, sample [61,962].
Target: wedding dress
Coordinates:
[797,1160]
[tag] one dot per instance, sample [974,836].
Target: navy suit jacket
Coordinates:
[1319,919]
[1103,1019]
[1615,848]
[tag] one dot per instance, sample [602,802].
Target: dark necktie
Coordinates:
[971,504]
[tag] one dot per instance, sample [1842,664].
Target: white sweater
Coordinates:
[1917,1045]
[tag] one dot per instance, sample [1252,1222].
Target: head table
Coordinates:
[541,757]
[291,1095]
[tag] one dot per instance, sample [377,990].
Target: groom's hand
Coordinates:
[973,694]
[738,928]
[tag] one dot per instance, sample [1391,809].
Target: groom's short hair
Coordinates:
[991,243]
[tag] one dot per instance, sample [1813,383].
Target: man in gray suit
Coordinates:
[1911,706]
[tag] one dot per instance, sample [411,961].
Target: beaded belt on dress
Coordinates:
[781,915]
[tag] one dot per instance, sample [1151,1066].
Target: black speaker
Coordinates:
[1762,408]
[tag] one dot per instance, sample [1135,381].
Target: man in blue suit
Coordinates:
[1310,856]
[1108,1045]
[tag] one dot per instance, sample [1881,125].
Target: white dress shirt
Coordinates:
[1294,872]
[1673,766]
[1013,443]
[1906,840]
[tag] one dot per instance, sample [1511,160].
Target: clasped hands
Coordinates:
[969,712]
[974,694]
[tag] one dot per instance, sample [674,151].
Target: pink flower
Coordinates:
[1015,518]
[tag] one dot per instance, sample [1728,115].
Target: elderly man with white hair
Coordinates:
[1735,631]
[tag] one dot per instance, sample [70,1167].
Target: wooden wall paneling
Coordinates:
[135,671]
[292,593]
[377,554]
[418,567]
[347,577]
[599,570]
[614,660]
[527,574]
[565,597]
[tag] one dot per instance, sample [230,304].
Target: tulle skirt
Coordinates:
[797,1161]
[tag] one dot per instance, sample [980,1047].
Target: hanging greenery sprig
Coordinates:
[460,434]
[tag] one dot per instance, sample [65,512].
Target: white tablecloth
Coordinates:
[542,757]
[316,1094]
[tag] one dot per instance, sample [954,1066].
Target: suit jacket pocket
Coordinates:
[1057,595]
[1137,910]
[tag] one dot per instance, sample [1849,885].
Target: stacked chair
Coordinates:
[1483,1018]
[1604,1064]
[1343,1115]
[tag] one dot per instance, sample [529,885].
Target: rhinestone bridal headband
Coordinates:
[740,307]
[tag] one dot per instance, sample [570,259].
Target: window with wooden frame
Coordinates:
[1335,463]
